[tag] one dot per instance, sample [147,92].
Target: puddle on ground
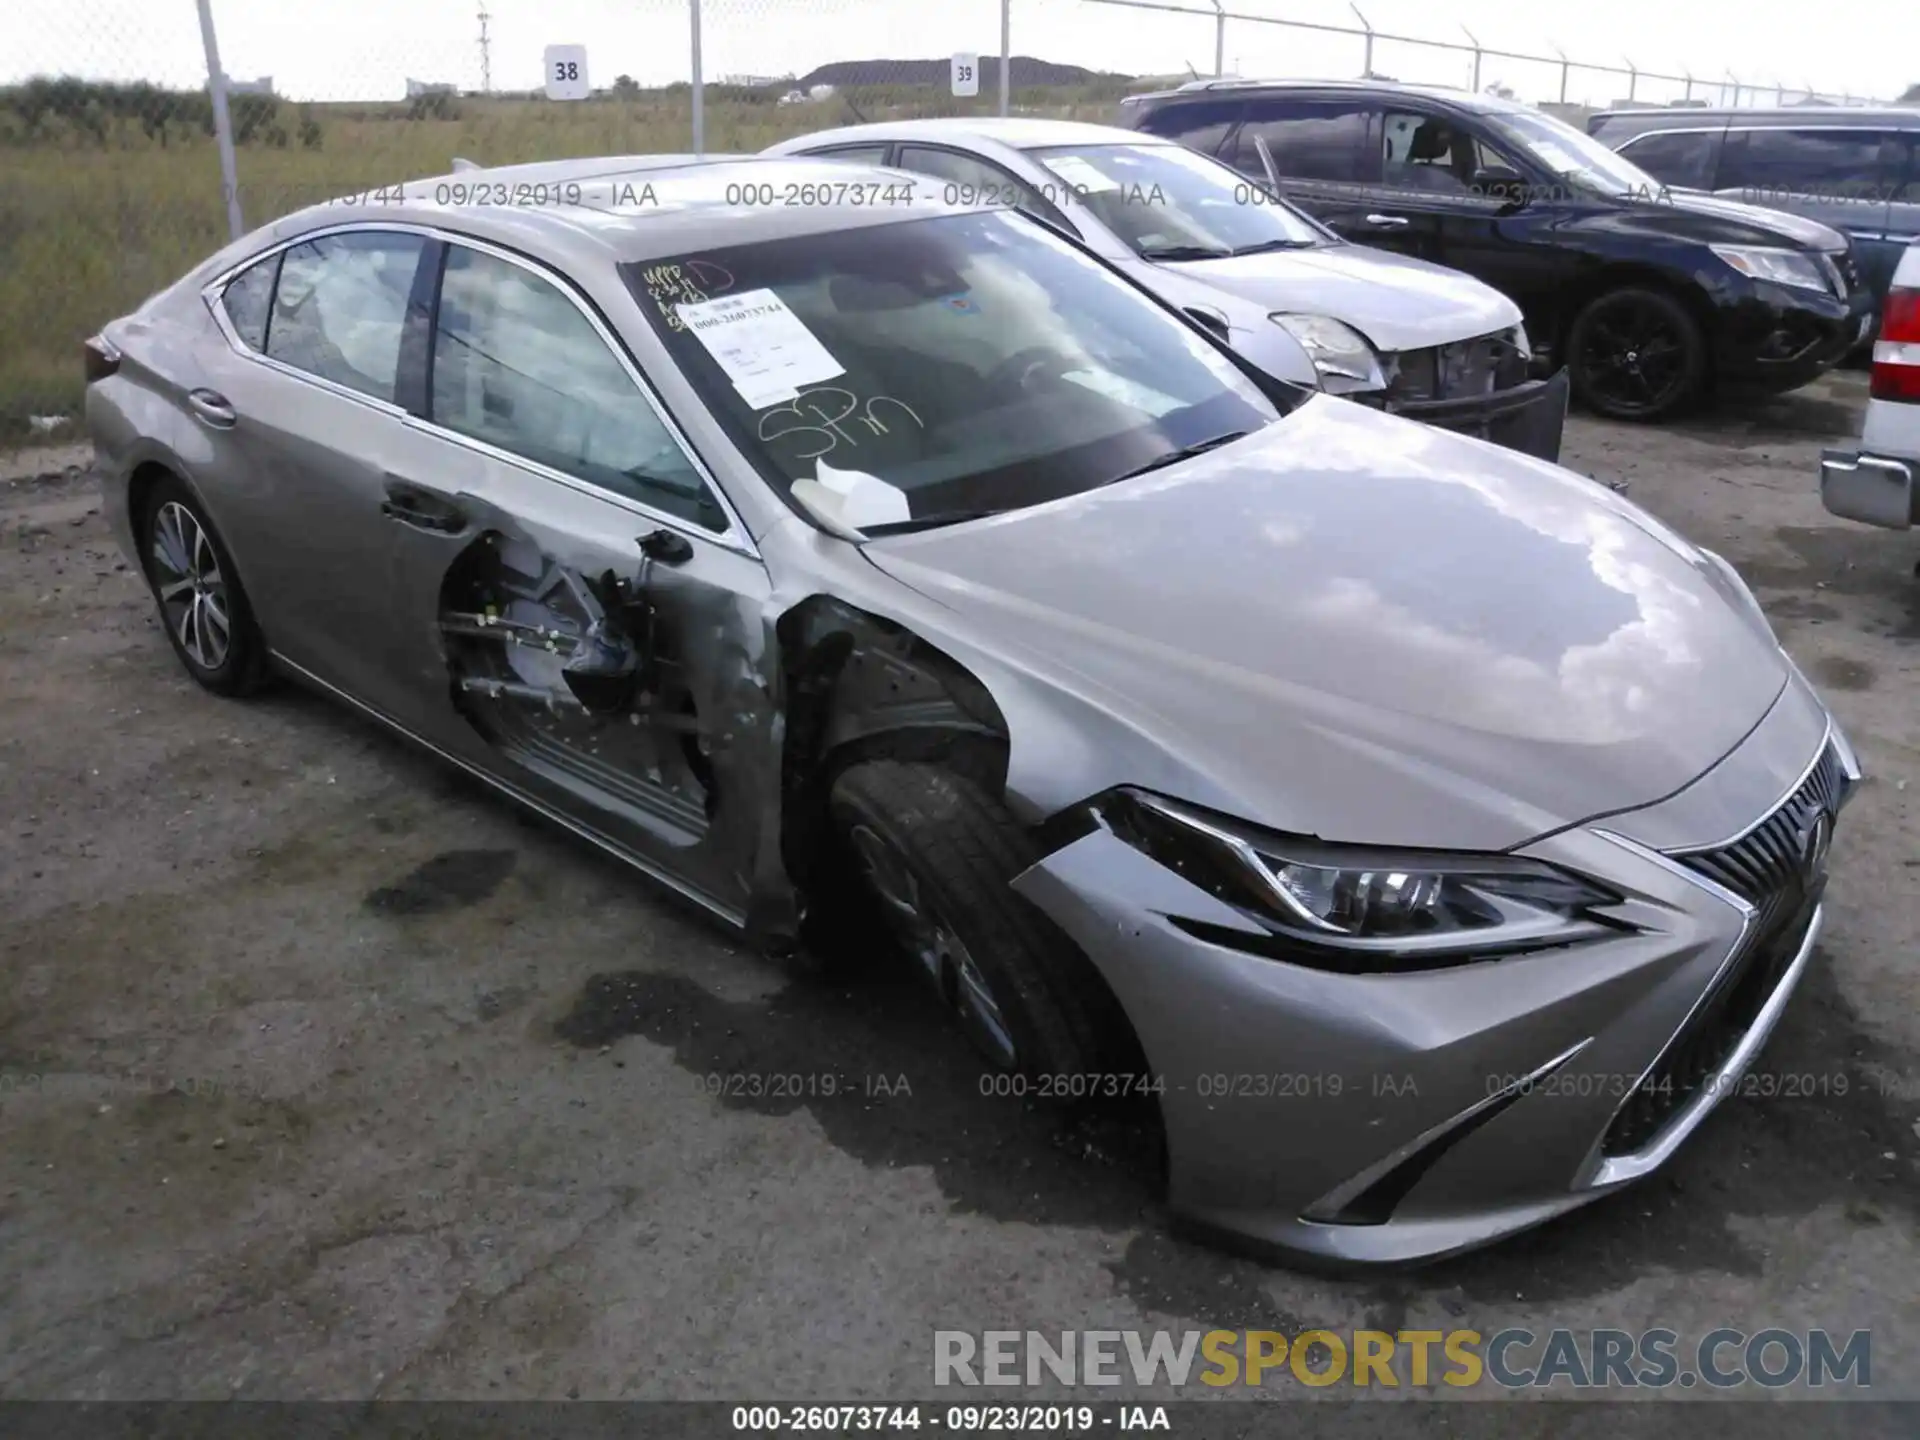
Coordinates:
[449,881]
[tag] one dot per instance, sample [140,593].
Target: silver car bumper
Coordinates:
[1870,488]
[1369,1119]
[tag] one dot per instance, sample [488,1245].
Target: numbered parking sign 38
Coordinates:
[567,72]
[966,74]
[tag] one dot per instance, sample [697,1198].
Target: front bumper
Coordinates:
[1381,1119]
[1529,418]
[1875,489]
[1775,337]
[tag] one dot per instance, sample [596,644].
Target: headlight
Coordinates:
[1341,355]
[1782,267]
[1338,907]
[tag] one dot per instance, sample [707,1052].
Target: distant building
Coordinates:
[427,87]
[755,82]
[262,85]
[820,92]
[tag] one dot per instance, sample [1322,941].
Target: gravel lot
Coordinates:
[324,1074]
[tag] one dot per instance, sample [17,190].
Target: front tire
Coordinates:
[936,856]
[201,605]
[1636,353]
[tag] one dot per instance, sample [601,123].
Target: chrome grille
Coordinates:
[1767,859]
[1771,868]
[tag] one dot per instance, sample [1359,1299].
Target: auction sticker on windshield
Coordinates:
[765,349]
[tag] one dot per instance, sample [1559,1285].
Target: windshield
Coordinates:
[1574,155]
[939,368]
[1169,202]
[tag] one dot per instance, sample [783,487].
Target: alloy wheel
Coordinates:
[1634,356]
[192,590]
[934,945]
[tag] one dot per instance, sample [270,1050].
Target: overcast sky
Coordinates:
[366,49]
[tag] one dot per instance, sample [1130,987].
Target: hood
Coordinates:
[1397,302]
[1355,626]
[1716,220]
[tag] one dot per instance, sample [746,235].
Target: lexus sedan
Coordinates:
[1433,835]
[1384,329]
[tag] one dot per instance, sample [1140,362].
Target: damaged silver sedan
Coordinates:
[1437,833]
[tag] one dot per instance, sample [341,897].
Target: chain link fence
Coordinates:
[113,181]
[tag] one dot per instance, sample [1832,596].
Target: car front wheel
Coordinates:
[202,607]
[1636,353]
[936,854]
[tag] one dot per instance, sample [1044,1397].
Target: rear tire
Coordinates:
[1636,353]
[936,856]
[201,605]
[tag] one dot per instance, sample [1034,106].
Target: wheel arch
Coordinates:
[857,687]
[1635,274]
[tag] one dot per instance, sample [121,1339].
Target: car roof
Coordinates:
[1767,117]
[1020,132]
[1230,85]
[627,208]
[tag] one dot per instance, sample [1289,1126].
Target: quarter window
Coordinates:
[1683,160]
[1322,143]
[247,300]
[1823,164]
[340,306]
[516,363]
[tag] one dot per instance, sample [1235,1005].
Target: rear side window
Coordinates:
[1824,164]
[248,299]
[517,364]
[1683,159]
[341,305]
[1203,124]
[1308,142]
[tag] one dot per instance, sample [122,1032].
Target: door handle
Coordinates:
[422,508]
[1388,222]
[212,408]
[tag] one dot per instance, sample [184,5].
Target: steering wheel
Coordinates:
[1016,374]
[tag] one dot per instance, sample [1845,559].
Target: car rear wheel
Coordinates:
[1636,354]
[202,607]
[935,855]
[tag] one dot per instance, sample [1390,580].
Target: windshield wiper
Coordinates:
[1185,452]
[930,522]
[1263,246]
[1185,252]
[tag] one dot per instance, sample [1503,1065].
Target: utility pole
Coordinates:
[486,54]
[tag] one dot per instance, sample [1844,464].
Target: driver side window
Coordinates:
[976,181]
[1433,156]
[517,364]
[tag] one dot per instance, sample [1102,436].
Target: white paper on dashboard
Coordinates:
[1081,174]
[763,347]
[863,499]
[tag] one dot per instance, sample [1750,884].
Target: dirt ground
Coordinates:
[324,1074]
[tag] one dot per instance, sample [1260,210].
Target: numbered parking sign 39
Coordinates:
[966,74]
[567,72]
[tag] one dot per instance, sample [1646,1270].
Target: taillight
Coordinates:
[1896,354]
[102,358]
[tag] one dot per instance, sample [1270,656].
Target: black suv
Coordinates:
[1649,296]
[1856,170]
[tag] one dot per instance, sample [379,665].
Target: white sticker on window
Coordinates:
[765,349]
[1083,175]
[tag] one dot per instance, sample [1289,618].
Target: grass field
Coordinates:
[88,230]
